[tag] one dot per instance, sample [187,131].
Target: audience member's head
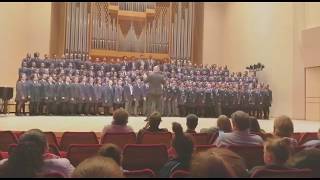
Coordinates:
[120,117]
[27,157]
[218,162]
[234,162]
[224,124]
[283,127]
[277,151]
[254,124]
[208,165]
[308,158]
[98,167]
[192,121]
[240,121]
[154,120]
[182,143]
[111,151]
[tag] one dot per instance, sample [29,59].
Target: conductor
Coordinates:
[155,80]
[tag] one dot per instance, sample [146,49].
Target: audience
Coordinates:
[111,151]
[192,123]
[98,167]
[223,125]
[153,123]
[217,162]
[276,154]
[255,126]
[283,128]
[240,134]
[313,143]
[119,123]
[183,147]
[308,158]
[28,159]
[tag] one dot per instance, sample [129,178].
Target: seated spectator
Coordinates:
[276,154]
[255,127]
[240,134]
[153,123]
[183,147]
[119,123]
[111,151]
[235,163]
[217,162]
[192,122]
[223,125]
[313,143]
[283,128]
[98,167]
[308,158]
[28,158]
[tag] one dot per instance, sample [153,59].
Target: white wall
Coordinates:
[262,32]
[25,27]
[240,34]
[212,33]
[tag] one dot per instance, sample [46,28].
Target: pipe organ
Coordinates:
[117,29]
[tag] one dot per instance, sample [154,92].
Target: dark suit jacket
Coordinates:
[155,80]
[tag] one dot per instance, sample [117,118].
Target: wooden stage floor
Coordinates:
[96,123]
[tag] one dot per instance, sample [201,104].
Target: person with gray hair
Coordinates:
[240,134]
[155,80]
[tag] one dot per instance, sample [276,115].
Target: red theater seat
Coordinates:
[213,137]
[53,175]
[297,136]
[156,138]
[180,174]
[201,138]
[69,138]
[79,152]
[294,173]
[253,155]
[6,139]
[143,173]
[52,139]
[200,148]
[119,139]
[305,137]
[142,156]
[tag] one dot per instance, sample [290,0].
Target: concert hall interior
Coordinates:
[81,66]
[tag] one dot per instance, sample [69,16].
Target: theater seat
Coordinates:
[156,138]
[294,173]
[52,139]
[143,173]
[297,136]
[77,138]
[79,152]
[200,138]
[200,148]
[6,139]
[119,139]
[53,175]
[142,156]
[180,174]
[253,155]
[213,137]
[305,137]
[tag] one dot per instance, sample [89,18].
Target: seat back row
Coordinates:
[120,139]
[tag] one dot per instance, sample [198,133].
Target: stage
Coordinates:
[61,124]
